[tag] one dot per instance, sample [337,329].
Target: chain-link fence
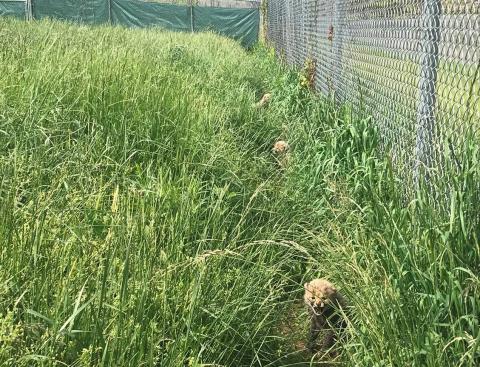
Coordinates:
[412,65]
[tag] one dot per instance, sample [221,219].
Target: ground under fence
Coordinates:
[411,64]
[239,20]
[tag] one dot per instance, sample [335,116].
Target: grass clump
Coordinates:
[144,220]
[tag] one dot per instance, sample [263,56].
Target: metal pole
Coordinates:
[337,34]
[192,24]
[427,89]
[28,10]
[110,11]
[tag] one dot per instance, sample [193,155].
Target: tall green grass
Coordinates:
[144,221]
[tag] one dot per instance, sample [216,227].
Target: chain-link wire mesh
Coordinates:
[412,65]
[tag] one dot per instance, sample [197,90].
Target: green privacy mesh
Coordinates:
[87,11]
[12,8]
[140,14]
[240,24]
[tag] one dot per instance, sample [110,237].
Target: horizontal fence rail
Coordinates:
[216,3]
[412,65]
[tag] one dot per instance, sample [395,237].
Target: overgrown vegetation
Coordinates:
[144,221]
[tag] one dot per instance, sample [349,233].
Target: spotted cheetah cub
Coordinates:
[281,153]
[280,147]
[267,97]
[323,303]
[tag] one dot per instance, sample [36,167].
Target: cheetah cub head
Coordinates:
[319,293]
[280,147]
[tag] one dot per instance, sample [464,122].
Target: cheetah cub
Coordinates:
[267,97]
[280,147]
[281,152]
[323,303]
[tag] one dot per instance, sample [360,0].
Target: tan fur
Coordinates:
[280,147]
[323,301]
[281,151]
[264,101]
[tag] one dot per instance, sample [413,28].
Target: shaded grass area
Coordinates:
[144,221]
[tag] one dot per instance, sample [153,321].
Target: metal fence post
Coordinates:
[28,10]
[192,23]
[338,48]
[424,146]
[110,11]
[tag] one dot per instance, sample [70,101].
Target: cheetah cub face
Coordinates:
[319,294]
[280,147]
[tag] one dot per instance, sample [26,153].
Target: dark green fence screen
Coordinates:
[239,23]
[236,23]
[85,11]
[12,8]
[136,13]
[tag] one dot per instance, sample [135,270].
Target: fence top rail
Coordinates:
[240,4]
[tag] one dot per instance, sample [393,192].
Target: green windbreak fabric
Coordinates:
[12,8]
[240,24]
[85,11]
[136,13]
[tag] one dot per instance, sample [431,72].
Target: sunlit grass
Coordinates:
[144,221]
